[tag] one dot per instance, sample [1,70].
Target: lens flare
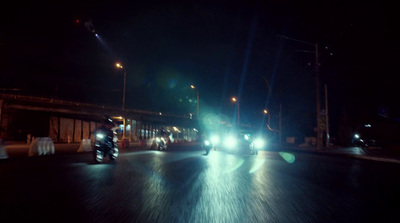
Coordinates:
[288,157]
[257,165]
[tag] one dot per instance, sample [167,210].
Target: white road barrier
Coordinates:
[3,152]
[42,146]
[86,146]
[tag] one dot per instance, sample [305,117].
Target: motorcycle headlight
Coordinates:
[230,142]
[206,142]
[259,143]
[99,136]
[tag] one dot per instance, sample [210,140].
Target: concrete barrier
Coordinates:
[86,146]
[3,152]
[41,146]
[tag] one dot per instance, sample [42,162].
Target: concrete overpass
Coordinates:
[67,121]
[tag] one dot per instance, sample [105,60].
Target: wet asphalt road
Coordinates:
[184,185]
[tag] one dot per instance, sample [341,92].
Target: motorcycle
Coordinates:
[159,143]
[211,143]
[105,145]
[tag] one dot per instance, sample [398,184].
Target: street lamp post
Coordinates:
[194,87]
[123,94]
[237,101]
[269,116]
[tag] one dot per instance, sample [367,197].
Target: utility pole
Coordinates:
[123,96]
[326,117]
[319,135]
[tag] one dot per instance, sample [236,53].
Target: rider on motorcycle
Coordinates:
[107,127]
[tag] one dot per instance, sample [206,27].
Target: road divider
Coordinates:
[3,151]
[41,146]
[86,146]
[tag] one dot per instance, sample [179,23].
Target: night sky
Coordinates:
[260,51]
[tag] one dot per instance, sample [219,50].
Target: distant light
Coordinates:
[160,113]
[368,125]
[96,35]
[77,21]
[118,65]
[357,136]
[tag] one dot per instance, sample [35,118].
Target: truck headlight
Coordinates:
[230,142]
[259,143]
[214,140]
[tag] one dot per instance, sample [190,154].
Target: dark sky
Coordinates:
[225,48]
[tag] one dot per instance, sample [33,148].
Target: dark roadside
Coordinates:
[376,154]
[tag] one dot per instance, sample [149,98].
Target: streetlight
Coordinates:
[269,116]
[194,87]
[237,101]
[118,65]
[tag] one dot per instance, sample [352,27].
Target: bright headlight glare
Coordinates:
[356,136]
[206,142]
[99,136]
[230,142]
[215,139]
[259,143]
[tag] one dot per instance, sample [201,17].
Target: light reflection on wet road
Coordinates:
[187,186]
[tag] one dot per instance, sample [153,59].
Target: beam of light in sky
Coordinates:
[229,67]
[246,61]
[271,83]
[104,44]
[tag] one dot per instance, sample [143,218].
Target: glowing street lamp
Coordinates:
[269,116]
[194,87]
[237,101]
[118,65]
